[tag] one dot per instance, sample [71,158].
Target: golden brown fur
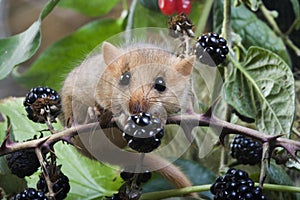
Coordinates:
[95,84]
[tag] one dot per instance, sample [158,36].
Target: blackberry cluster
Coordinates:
[236,185]
[246,150]
[211,49]
[30,194]
[116,196]
[23,163]
[42,103]
[131,189]
[143,132]
[60,186]
[180,24]
[125,196]
[139,177]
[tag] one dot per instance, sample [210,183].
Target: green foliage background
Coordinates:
[261,76]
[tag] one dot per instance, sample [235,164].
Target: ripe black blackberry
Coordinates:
[211,49]
[30,194]
[246,150]
[143,132]
[116,196]
[23,163]
[60,186]
[236,185]
[139,178]
[42,103]
[127,192]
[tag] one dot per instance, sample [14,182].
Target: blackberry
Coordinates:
[41,104]
[23,163]
[246,150]
[127,192]
[211,47]
[30,194]
[143,132]
[60,185]
[116,196]
[235,185]
[139,178]
[180,24]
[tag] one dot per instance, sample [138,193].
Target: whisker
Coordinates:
[116,87]
[165,102]
[161,97]
[110,98]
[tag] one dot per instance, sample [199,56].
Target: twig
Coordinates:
[202,188]
[130,21]
[276,29]
[39,154]
[174,192]
[45,142]
[226,26]
[292,27]
[204,16]
[206,119]
[265,158]
[226,33]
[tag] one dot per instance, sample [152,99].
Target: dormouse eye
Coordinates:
[125,78]
[159,84]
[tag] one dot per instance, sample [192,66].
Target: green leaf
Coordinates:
[61,57]
[19,48]
[296,9]
[90,8]
[23,128]
[151,18]
[198,174]
[12,184]
[253,31]
[253,4]
[262,87]
[89,179]
[277,174]
[205,138]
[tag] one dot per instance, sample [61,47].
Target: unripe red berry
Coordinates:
[167,7]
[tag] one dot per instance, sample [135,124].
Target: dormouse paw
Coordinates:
[92,114]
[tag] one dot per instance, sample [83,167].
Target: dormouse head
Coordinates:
[144,78]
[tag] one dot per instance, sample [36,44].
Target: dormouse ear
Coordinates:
[185,66]
[110,52]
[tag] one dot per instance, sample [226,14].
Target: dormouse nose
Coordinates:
[138,102]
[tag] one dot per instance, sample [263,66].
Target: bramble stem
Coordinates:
[292,27]
[226,33]
[202,188]
[226,25]
[264,160]
[194,119]
[129,24]
[276,29]
[174,192]
[39,154]
[204,16]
